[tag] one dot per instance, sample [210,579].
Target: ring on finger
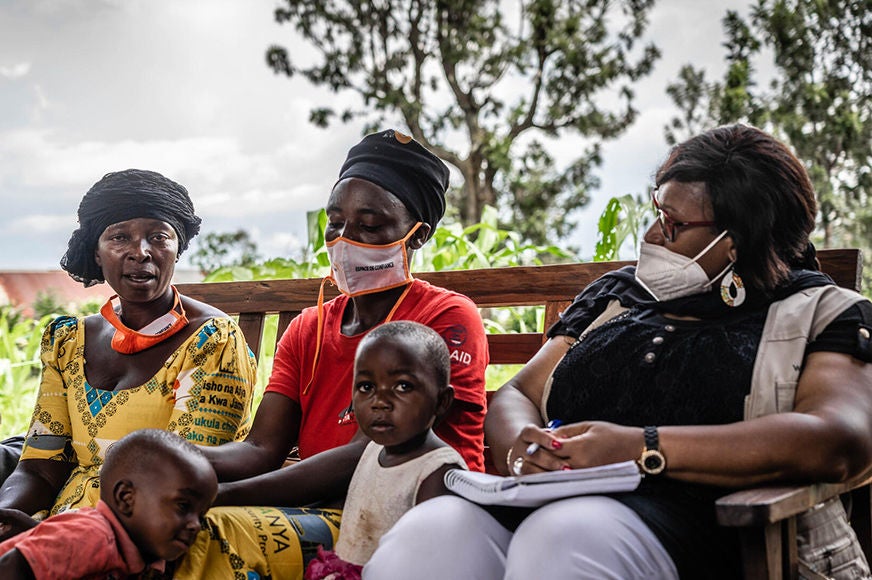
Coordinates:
[517,465]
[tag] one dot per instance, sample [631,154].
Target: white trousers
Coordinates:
[449,538]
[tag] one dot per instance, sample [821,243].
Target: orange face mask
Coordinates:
[129,341]
[358,268]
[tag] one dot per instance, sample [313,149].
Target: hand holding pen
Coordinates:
[551,426]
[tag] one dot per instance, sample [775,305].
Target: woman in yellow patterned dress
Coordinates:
[186,368]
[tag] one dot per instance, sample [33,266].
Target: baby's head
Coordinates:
[401,388]
[159,486]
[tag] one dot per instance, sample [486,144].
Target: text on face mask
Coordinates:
[374,268]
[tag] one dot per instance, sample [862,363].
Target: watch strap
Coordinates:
[652,438]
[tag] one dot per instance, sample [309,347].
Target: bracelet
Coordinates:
[509,459]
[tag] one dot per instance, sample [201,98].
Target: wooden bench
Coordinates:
[765,516]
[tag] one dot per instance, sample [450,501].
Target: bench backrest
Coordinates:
[553,287]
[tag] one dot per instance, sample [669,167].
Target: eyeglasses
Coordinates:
[669,226]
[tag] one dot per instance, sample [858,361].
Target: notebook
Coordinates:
[540,488]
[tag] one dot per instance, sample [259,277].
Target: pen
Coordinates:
[552,425]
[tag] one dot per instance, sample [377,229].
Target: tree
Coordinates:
[824,103]
[819,101]
[218,250]
[483,94]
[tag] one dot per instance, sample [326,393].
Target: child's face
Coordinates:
[395,396]
[166,508]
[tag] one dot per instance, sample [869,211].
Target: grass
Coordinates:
[19,369]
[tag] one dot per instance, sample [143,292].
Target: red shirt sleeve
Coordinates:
[73,545]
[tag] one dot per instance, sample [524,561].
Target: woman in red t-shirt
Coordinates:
[386,203]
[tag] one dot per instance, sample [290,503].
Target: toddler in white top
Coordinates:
[401,374]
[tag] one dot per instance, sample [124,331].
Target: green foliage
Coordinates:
[541,196]
[822,100]
[19,369]
[482,245]
[223,250]
[48,303]
[452,247]
[690,93]
[623,217]
[313,262]
[482,91]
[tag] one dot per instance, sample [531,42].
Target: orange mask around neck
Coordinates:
[129,341]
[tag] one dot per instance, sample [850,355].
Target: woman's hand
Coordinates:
[13,522]
[577,445]
[515,406]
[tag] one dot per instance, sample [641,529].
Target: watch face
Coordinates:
[652,462]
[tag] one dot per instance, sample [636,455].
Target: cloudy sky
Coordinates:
[181,87]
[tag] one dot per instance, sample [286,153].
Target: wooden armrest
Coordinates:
[766,505]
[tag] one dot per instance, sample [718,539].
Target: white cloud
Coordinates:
[15,71]
[42,224]
[255,202]
[41,159]
[56,7]
[284,244]
[231,188]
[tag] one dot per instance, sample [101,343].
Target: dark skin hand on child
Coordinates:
[386,204]
[387,201]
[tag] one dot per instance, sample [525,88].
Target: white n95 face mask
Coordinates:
[666,274]
[359,268]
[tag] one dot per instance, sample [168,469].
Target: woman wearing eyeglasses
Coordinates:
[681,364]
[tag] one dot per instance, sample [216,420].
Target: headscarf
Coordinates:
[121,196]
[404,168]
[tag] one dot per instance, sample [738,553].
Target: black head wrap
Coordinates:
[121,196]
[404,168]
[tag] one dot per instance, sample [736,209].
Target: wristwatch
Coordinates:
[652,460]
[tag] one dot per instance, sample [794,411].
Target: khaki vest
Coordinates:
[827,545]
[791,324]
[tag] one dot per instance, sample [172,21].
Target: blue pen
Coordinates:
[551,426]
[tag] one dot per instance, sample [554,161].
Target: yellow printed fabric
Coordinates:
[258,543]
[202,392]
